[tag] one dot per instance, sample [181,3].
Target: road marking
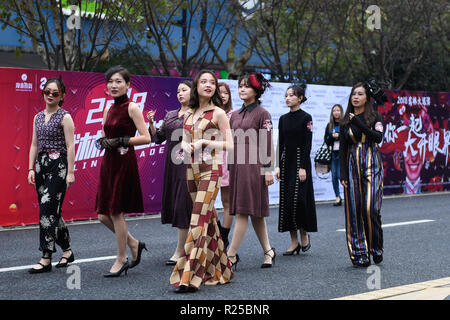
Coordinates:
[83,222]
[401,291]
[399,224]
[54,263]
[426,294]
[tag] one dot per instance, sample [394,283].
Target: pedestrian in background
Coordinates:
[297,210]
[176,200]
[249,180]
[51,170]
[119,187]
[361,175]
[331,138]
[225,227]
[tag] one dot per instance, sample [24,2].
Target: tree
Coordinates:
[331,42]
[169,36]
[302,40]
[228,14]
[63,44]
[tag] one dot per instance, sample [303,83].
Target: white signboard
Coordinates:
[321,99]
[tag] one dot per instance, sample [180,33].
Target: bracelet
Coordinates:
[30,169]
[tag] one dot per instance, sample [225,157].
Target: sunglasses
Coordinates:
[48,92]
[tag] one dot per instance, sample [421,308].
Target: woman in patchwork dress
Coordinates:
[206,134]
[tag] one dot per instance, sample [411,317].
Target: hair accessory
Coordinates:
[374,90]
[254,82]
[258,82]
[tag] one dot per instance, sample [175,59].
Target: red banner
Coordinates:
[85,100]
[416,142]
[415,147]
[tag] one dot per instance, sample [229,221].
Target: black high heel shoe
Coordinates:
[71,258]
[377,258]
[296,250]
[45,268]
[308,246]
[125,268]
[234,264]
[141,246]
[339,203]
[361,262]
[185,289]
[171,262]
[269,265]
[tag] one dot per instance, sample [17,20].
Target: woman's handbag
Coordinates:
[323,154]
[322,159]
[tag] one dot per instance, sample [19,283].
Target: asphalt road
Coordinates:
[413,253]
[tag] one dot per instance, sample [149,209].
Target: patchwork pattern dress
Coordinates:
[204,260]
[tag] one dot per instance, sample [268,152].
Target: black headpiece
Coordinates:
[374,90]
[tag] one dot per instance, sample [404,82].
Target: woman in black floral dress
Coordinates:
[51,170]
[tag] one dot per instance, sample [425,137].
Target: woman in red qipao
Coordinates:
[119,188]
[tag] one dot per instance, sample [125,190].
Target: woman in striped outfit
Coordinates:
[362,177]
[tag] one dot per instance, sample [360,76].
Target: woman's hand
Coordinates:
[70,179]
[277,174]
[335,135]
[344,183]
[269,178]
[198,144]
[151,116]
[31,177]
[302,175]
[187,147]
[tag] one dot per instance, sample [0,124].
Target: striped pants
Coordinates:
[363,198]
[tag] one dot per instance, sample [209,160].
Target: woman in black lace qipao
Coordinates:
[297,209]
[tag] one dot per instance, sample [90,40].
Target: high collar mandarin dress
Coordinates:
[204,260]
[119,187]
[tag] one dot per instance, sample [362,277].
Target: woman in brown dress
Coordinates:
[119,189]
[176,200]
[251,170]
[206,134]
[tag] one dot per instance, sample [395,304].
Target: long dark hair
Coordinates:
[334,122]
[369,113]
[229,105]
[60,85]
[215,99]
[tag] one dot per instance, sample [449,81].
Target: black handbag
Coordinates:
[323,155]
[322,161]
